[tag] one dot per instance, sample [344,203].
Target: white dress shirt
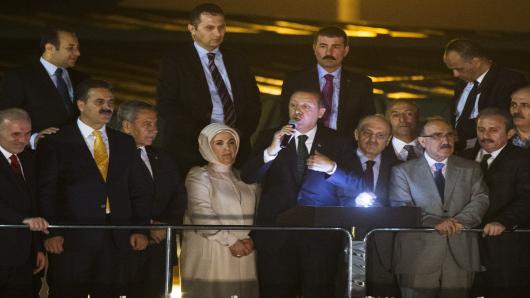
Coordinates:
[399,148]
[145,159]
[308,143]
[463,98]
[363,159]
[7,155]
[86,132]
[431,163]
[483,152]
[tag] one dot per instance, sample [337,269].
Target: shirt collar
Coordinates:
[494,154]
[86,130]
[481,78]
[50,68]
[322,72]
[6,153]
[363,157]
[310,134]
[399,144]
[204,53]
[431,161]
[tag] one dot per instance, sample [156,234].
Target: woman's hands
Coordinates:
[242,248]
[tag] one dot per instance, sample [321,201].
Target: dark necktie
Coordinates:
[301,156]
[439,179]
[63,91]
[327,93]
[411,154]
[228,105]
[484,162]
[368,175]
[470,103]
[15,166]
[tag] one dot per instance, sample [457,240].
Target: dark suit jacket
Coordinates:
[495,91]
[72,191]
[355,97]
[17,202]
[185,105]
[279,187]
[352,181]
[30,88]
[169,195]
[508,179]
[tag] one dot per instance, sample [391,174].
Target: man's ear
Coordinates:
[126,126]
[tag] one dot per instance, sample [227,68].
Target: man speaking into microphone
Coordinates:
[289,262]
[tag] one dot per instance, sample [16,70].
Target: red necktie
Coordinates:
[327,93]
[15,165]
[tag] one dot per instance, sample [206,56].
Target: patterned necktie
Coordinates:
[411,154]
[327,93]
[102,160]
[368,175]
[228,105]
[484,162]
[63,91]
[301,156]
[439,179]
[15,166]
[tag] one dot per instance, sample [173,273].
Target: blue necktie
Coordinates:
[63,91]
[439,179]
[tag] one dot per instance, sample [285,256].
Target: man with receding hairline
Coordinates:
[347,95]
[45,88]
[520,110]
[482,83]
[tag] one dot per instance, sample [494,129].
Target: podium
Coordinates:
[376,279]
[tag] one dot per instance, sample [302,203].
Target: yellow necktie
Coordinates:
[102,160]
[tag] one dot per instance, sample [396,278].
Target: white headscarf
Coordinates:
[205,138]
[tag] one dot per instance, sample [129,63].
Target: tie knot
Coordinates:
[409,148]
[211,56]
[439,166]
[13,158]
[59,71]
[302,138]
[96,133]
[370,164]
[329,77]
[485,157]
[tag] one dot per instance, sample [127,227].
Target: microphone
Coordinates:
[287,138]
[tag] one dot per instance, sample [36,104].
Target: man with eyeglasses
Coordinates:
[452,195]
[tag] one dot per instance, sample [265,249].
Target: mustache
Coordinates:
[518,115]
[446,146]
[105,111]
[486,141]
[328,57]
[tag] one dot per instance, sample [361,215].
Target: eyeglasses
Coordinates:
[368,134]
[440,136]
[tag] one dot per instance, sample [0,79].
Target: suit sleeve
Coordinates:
[255,168]
[178,199]
[140,196]
[200,208]
[168,101]
[367,99]
[472,214]
[287,91]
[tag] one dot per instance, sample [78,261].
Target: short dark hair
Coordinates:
[505,115]
[85,86]
[331,31]
[466,48]
[207,8]
[129,110]
[522,88]
[428,120]
[51,35]
[320,98]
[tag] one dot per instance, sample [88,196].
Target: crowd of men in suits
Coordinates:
[334,148]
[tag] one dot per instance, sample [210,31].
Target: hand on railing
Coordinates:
[37,224]
[493,229]
[449,227]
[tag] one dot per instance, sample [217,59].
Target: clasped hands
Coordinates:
[242,248]
[449,226]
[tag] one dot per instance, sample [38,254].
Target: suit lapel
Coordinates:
[11,176]
[344,98]
[195,68]
[153,160]
[452,177]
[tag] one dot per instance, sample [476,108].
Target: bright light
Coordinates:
[365,199]
[175,292]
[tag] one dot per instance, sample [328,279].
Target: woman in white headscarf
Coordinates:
[218,263]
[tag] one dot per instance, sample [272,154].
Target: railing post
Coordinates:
[168,277]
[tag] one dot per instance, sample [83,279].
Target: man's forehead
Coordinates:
[304,97]
[210,18]
[437,126]
[521,96]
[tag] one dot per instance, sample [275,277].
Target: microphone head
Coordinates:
[293,122]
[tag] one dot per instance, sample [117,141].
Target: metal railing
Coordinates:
[169,239]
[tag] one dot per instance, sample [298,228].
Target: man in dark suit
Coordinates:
[202,83]
[20,255]
[520,110]
[168,195]
[348,96]
[506,172]
[482,84]
[370,174]
[404,117]
[45,88]
[91,174]
[452,195]
[289,261]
